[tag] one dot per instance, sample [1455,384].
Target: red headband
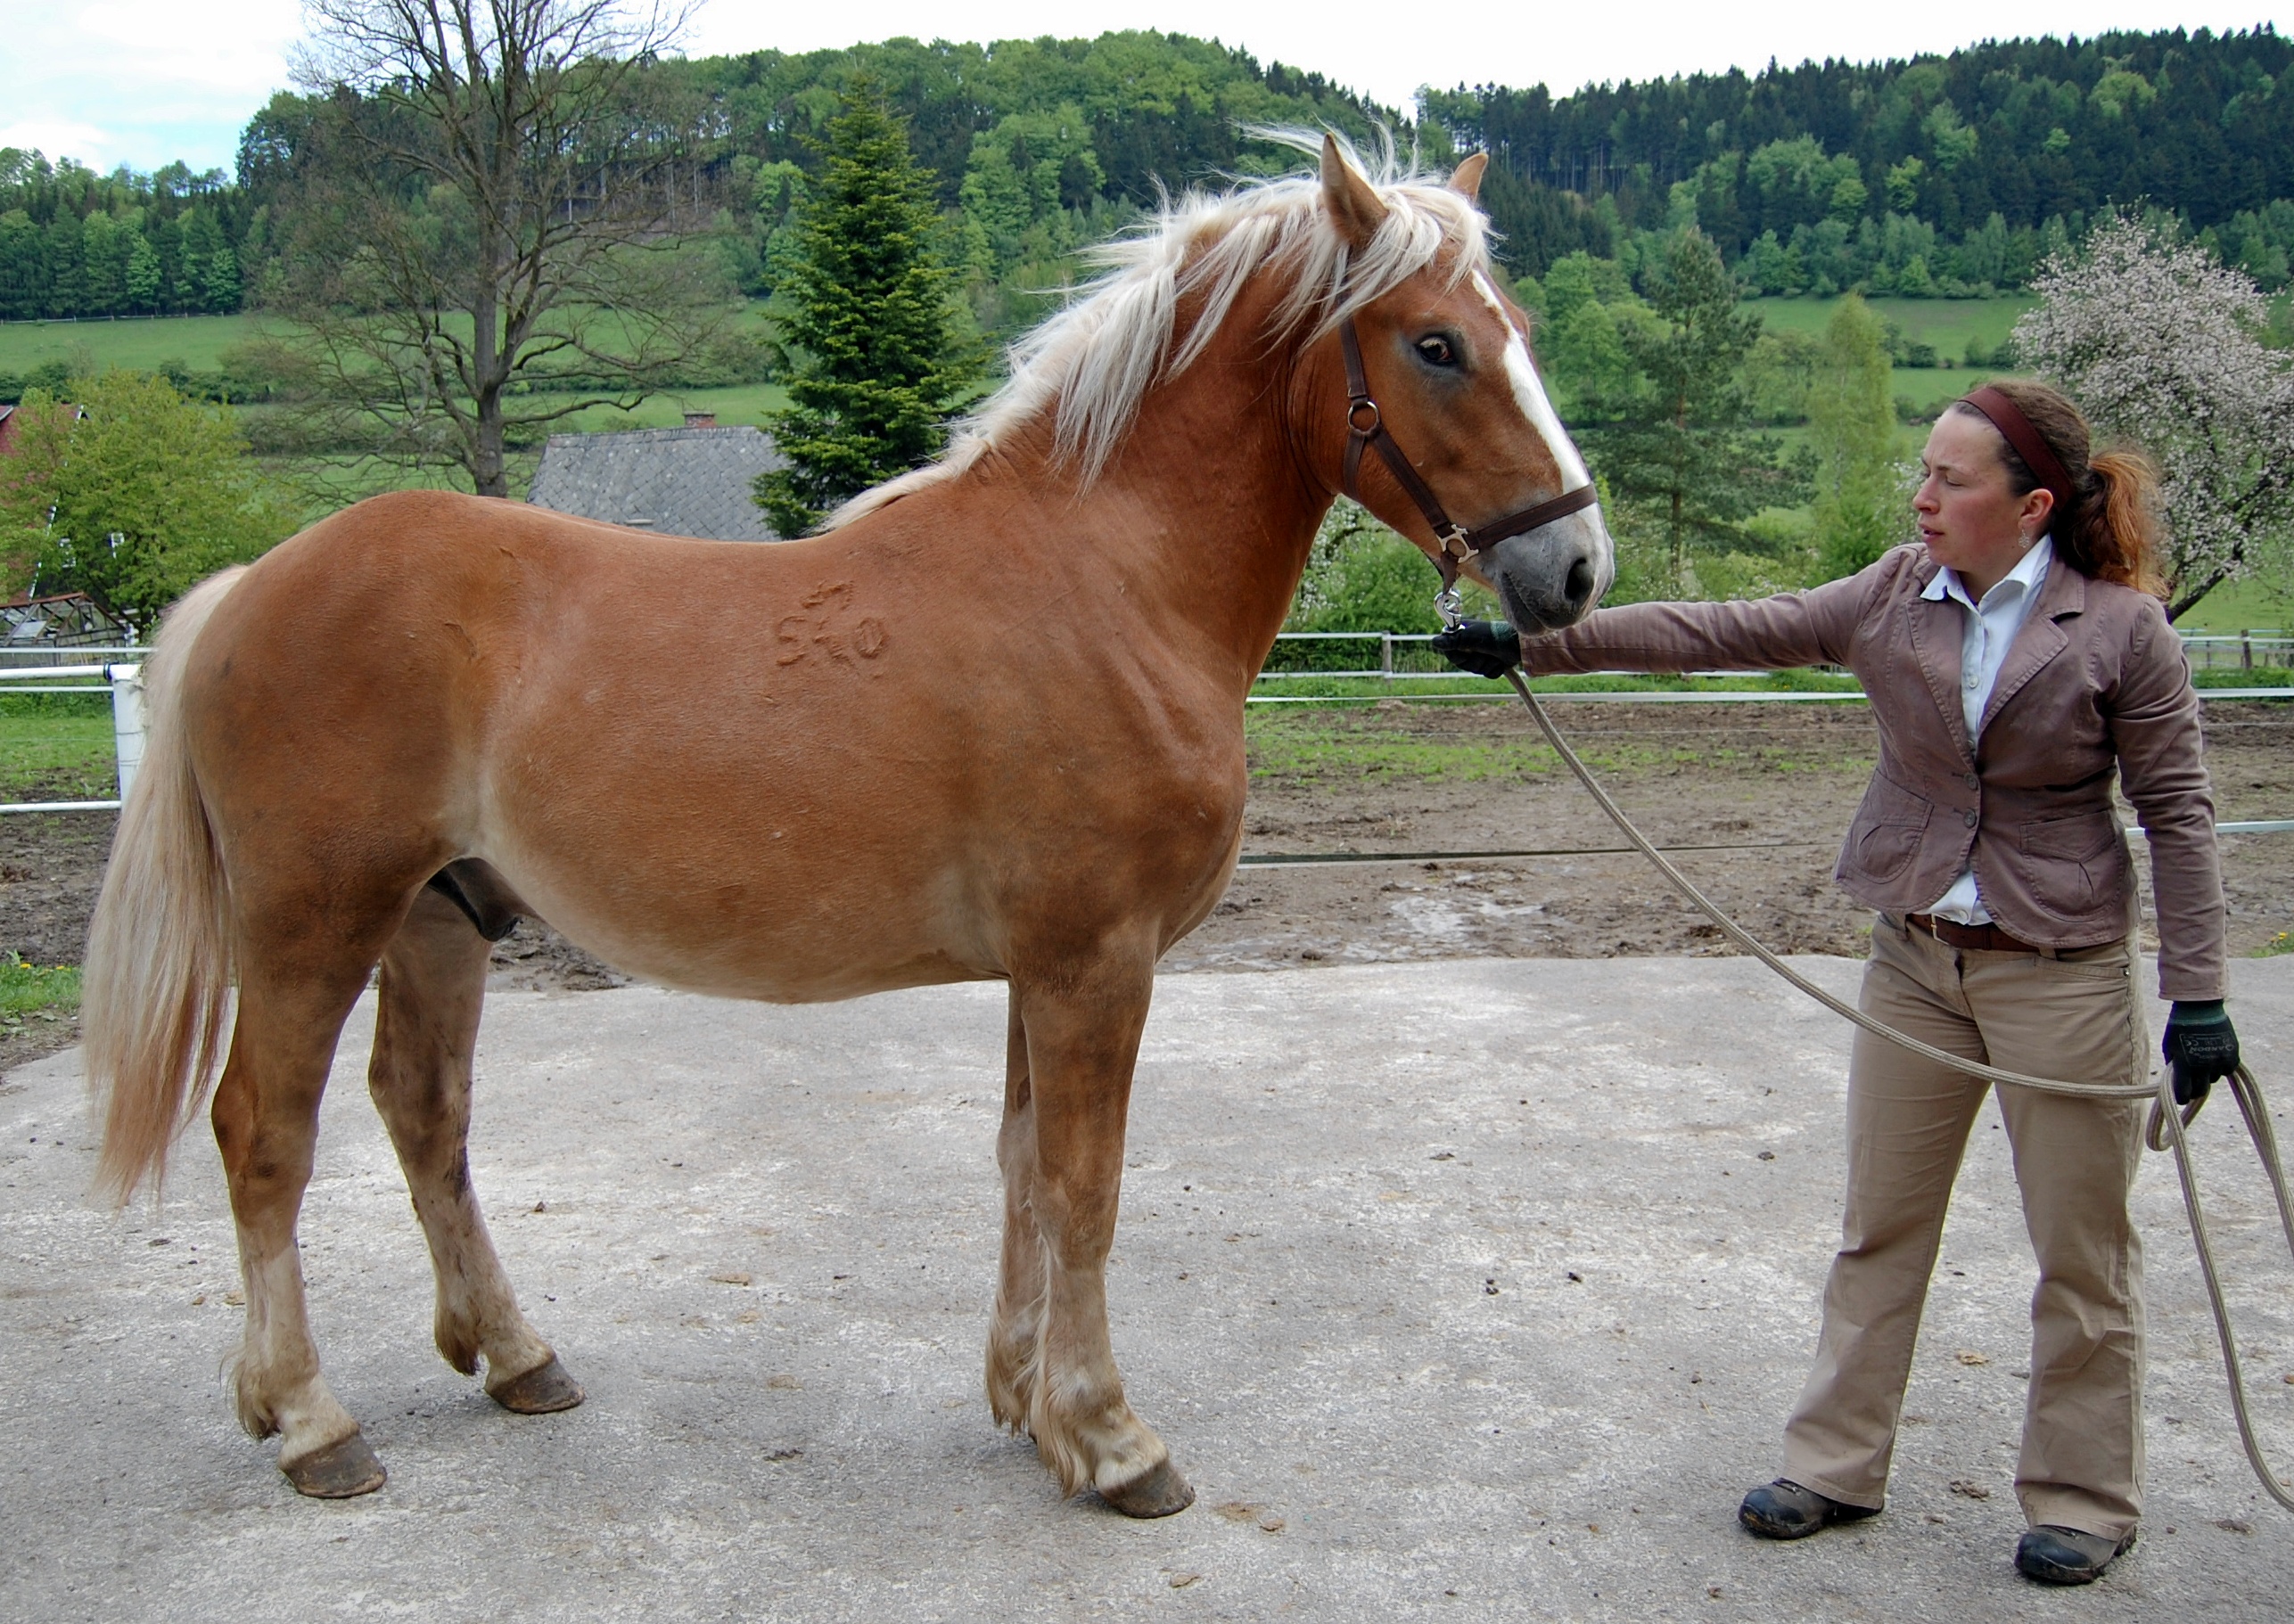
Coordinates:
[2030,445]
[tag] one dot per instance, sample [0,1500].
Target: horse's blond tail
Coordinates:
[155,994]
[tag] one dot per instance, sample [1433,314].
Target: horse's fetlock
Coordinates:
[256,1414]
[1014,1371]
[456,1344]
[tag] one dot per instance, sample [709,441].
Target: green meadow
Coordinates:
[1948,324]
[143,344]
[2245,606]
[745,404]
[57,747]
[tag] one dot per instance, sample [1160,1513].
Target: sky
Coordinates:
[142,82]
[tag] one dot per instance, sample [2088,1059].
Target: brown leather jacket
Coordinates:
[2095,679]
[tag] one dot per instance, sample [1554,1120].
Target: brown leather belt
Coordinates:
[1988,939]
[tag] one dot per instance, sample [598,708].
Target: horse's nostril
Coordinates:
[1579,587]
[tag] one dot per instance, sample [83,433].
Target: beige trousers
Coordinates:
[2073,1016]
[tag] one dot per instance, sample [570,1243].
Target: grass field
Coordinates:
[2245,606]
[145,344]
[198,341]
[1948,324]
[57,748]
[747,404]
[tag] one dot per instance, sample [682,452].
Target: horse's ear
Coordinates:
[1353,204]
[1466,179]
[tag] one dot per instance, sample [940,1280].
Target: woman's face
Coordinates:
[1970,516]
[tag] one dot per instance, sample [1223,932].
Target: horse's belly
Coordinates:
[781,932]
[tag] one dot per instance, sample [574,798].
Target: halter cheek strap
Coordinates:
[1366,427]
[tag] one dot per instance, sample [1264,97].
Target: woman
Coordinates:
[2015,656]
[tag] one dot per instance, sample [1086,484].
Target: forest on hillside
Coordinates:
[1944,174]
[1823,175]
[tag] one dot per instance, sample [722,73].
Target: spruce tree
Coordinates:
[878,368]
[1676,456]
[1859,512]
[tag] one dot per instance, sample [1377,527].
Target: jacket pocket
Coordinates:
[1889,826]
[2073,861]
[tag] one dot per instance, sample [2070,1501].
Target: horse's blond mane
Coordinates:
[1094,361]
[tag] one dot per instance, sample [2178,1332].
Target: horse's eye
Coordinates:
[1435,350]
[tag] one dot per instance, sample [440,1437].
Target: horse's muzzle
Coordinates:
[1553,576]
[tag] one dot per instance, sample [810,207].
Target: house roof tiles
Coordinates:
[672,481]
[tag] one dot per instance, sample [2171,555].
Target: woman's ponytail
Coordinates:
[2110,532]
[2118,528]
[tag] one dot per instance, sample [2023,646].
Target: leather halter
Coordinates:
[1366,426]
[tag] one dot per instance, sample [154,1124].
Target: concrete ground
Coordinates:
[1463,1291]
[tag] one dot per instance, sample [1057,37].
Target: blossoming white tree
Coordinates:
[2162,346]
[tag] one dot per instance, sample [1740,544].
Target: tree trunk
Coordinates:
[2180,601]
[488,375]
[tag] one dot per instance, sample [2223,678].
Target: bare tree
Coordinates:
[486,231]
[2163,346]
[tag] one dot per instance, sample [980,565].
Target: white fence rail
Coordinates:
[1409,656]
[123,680]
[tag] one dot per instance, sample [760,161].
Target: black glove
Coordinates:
[2200,1045]
[1486,648]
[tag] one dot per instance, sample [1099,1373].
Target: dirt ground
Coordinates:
[1775,783]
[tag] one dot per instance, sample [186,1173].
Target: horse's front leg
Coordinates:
[1016,1331]
[1064,1161]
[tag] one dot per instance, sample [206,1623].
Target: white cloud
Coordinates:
[54,137]
[141,82]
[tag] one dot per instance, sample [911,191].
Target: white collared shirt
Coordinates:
[1987,631]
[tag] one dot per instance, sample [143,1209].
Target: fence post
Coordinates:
[2245,651]
[127,722]
[1386,655]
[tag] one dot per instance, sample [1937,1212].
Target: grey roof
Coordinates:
[675,481]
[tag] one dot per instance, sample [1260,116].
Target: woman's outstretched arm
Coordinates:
[1793,628]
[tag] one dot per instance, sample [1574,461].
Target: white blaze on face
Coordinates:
[1529,394]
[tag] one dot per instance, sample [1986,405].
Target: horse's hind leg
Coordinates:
[1081,1033]
[433,986]
[266,1117]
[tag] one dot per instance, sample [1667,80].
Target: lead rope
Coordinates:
[2166,1129]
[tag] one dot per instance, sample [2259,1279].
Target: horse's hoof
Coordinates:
[337,1472]
[1161,1492]
[540,1391]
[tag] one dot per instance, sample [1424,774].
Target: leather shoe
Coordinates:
[1784,1510]
[2056,1556]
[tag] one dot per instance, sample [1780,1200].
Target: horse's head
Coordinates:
[1444,370]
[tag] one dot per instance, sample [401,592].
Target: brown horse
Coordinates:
[988,725]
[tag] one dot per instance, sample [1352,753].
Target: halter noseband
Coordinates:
[1366,426]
